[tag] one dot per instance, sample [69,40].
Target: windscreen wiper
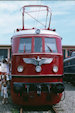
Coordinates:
[49,48]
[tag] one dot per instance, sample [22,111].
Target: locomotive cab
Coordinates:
[37,67]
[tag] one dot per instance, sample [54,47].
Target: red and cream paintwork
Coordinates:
[43,87]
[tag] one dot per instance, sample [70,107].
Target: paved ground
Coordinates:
[65,106]
[68,105]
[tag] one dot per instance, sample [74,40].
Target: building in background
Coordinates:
[67,50]
[5,51]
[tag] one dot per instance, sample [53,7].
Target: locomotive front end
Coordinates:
[37,64]
[37,69]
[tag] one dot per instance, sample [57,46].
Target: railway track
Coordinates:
[52,110]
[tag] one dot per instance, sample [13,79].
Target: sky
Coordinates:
[63,19]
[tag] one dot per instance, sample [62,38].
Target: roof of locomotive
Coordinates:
[33,32]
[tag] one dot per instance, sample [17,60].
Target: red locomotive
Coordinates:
[37,64]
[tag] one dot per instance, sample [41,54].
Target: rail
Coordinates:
[52,109]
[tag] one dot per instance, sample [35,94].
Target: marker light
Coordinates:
[20,68]
[37,31]
[38,68]
[55,69]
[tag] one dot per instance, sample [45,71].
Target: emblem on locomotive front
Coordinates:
[38,62]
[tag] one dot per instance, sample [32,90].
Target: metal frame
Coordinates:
[48,11]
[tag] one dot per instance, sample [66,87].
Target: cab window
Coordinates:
[37,44]
[50,45]
[25,45]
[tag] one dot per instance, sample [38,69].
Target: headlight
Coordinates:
[20,68]
[38,68]
[37,31]
[55,69]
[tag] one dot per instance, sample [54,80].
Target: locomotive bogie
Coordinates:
[47,93]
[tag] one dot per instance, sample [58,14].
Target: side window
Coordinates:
[37,44]
[25,45]
[50,45]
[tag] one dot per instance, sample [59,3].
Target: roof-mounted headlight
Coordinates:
[20,68]
[37,31]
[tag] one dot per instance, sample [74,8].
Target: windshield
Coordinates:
[25,45]
[38,44]
[50,45]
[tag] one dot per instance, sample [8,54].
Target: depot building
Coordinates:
[5,51]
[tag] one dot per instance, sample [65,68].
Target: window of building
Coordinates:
[3,53]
